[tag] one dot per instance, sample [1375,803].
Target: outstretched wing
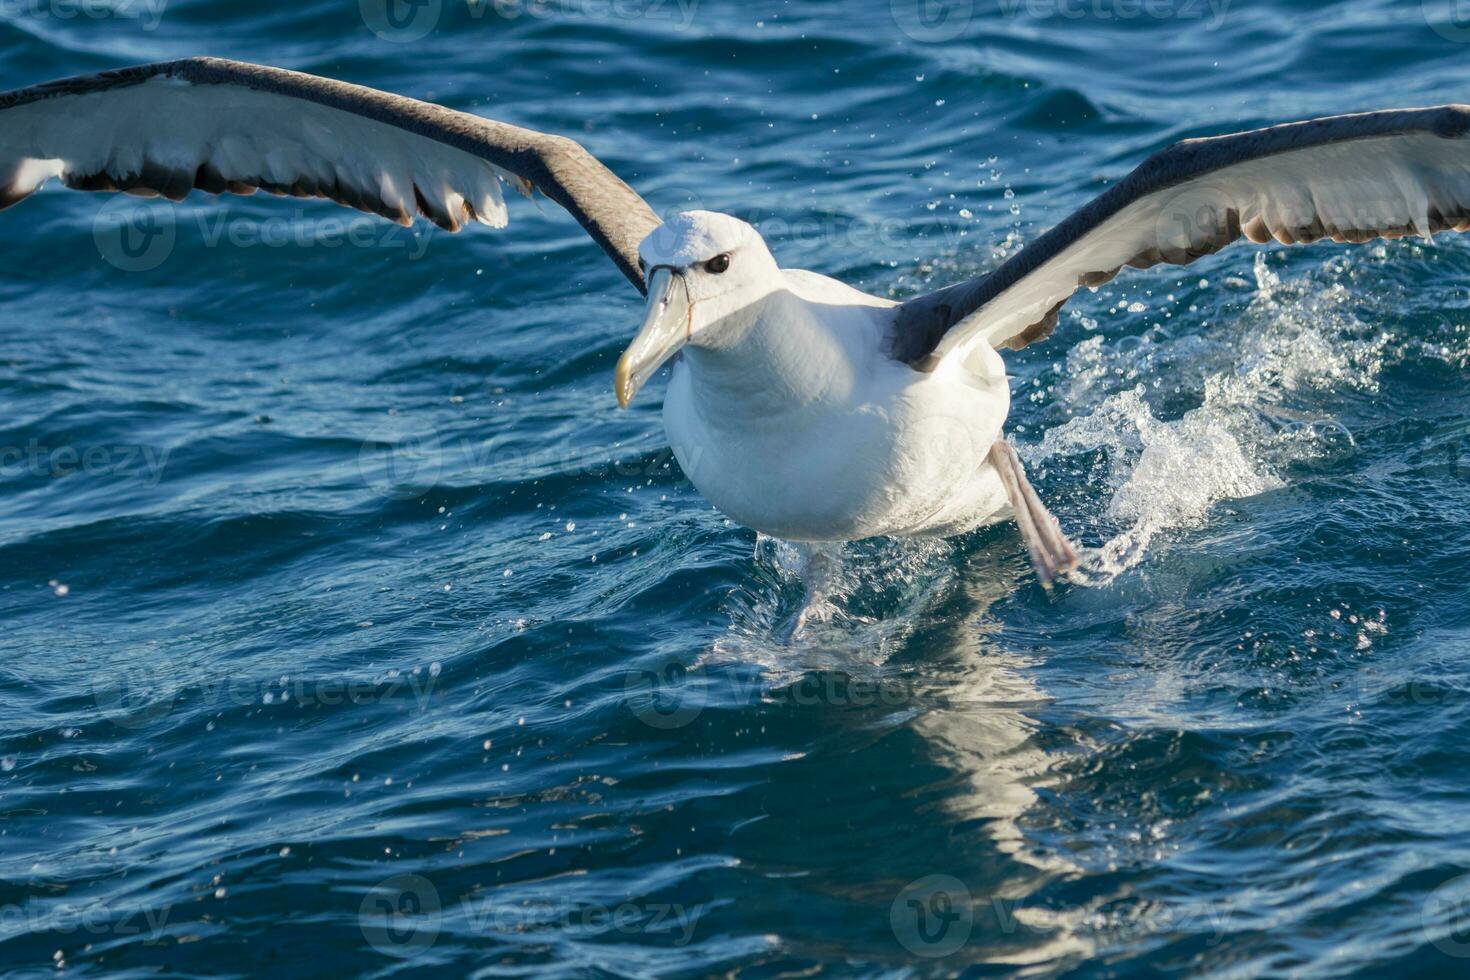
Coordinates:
[231,127]
[1348,178]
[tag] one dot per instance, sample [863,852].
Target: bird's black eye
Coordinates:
[718,264]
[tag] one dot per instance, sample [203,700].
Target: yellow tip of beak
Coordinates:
[623,383]
[665,329]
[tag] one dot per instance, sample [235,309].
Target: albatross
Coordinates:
[799,406]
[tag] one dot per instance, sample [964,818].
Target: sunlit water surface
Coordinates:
[349,628]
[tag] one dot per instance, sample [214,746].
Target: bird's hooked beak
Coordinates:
[665,329]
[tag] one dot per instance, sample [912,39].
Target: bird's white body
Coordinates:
[803,428]
[790,412]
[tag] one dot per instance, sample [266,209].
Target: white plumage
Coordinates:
[804,429]
[787,413]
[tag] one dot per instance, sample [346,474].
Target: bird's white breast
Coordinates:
[832,439]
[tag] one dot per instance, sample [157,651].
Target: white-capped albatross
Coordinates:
[801,407]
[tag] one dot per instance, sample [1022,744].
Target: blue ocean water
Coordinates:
[350,629]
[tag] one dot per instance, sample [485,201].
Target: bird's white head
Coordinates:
[707,274]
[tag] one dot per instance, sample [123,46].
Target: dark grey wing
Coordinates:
[1348,178]
[230,127]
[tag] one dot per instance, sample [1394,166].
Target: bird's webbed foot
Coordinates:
[1052,555]
[820,564]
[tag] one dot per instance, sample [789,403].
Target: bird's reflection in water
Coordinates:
[911,681]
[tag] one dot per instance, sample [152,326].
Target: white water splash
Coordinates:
[873,592]
[1262,377]
[1173,472]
